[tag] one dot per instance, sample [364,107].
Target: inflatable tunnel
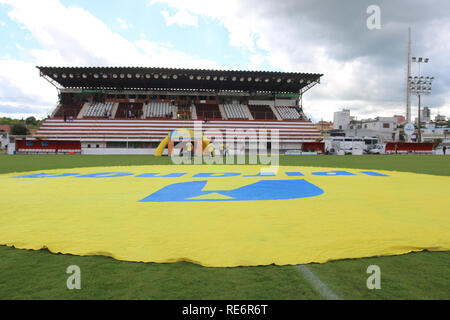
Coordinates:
[182,136]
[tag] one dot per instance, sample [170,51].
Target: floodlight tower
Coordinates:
[420,85]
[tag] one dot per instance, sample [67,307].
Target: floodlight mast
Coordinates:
[418,86]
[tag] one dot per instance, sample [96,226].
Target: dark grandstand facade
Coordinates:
[129,110]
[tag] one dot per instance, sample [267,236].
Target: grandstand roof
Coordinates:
[145,78]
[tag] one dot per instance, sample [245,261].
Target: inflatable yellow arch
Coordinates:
[178,136]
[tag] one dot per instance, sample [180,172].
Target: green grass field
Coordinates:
[26,274]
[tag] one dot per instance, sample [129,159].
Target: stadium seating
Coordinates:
[288,112]
[98,110]
[69,110]
[156,130]
[208,111]
[261,112]
[158,109]
[129,111]
[235,111]
[184,110]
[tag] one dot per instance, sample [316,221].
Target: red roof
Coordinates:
[5,128]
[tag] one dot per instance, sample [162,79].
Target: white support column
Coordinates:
[83,110]
[114,110]
[175,111]
[144,111]
[222,112]
[56,110]
[193,112]
[275,111]
[247,112]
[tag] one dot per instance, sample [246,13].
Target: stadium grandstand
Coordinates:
[117,110]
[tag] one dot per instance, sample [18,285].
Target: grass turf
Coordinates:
[26,274]
[429,164]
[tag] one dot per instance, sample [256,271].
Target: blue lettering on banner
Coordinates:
[263,174]
[156,175]
[198,175]
[261,190]
[295,174]
[374,174]
[216,175]
[334,173]
[106,175]
[48,175]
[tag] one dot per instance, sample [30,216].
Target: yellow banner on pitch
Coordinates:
[224,216]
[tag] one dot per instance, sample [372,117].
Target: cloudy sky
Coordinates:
[364,70]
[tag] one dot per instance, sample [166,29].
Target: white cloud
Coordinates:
[162,53]
[256,62]
[363,72]
[72,36]
[123,24]
[2,24]
[267,32]
[182,18]
[22,91]
[241,25]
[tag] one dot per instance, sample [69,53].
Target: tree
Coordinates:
[31,121]
[437,141]
[19,130]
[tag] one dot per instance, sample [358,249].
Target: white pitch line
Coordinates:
[316,283]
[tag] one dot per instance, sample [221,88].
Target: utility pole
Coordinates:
[419,135]
[408,84]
